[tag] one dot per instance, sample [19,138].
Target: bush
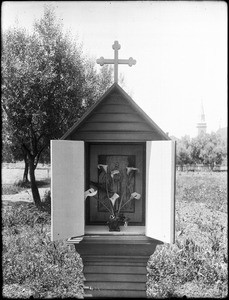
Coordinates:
[17,187]
[23,214]
[174,265]
[10,189]
[31,259]
[22,184]
[196,265]
[47,267]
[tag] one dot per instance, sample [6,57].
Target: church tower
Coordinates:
[202,125]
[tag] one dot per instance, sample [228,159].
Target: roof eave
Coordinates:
[129,99]
[144,115]
[86,114]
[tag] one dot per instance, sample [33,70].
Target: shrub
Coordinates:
[23,214]
[47,267]
[31,259]
[22,184]
[10,189]
[174,265]
[195,265]
[198,260]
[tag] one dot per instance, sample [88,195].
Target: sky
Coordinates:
[180,48]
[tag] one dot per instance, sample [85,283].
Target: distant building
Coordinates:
[201,125]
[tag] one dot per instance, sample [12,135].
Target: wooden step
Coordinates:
[114,269]
[116,277]
[115,294]
[115,263]
[100,285]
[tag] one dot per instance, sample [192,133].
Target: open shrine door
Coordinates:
[67,189]
[160,190]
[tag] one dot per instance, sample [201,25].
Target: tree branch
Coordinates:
[26,150]
[39,153]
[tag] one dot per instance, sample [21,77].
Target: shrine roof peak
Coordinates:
[115,87]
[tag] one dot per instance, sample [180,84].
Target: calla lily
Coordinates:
[104,167]
[91,192]
[114,172]
[129,169]
[135,196]
[114,198]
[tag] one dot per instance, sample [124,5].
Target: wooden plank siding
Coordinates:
[115,117]
[115,136]
[115,266]
[114,127]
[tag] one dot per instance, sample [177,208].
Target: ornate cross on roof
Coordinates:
[116,61]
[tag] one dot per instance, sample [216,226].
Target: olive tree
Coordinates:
[47,84]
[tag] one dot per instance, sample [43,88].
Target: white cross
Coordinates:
[116,61]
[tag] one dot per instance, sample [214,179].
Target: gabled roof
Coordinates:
[115,88]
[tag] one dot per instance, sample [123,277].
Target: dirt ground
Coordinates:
[12,173]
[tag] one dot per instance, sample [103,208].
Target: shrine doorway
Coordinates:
[127,162]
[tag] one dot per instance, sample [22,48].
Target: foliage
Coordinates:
[23,214]
[184,262]
[30,259]
[18,186]
[198,259]
[204,189]
[183,151]
[195,266]
[207,149]
[22,184]
[11,151]
[10,189]
[213,149]
[47,84]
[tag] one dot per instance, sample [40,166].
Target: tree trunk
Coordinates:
[34,188]
[26,170]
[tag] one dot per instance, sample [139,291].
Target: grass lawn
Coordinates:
[195,266]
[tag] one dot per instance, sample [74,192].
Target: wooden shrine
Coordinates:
[115,163]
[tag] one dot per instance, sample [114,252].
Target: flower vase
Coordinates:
[114,224]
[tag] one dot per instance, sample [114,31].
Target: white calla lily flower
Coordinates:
[129,169]
[104,167]
[135,196]
[114,172]
[90,192]
[114,198]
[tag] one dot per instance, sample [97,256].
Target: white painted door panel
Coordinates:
[67,189]
[160,190]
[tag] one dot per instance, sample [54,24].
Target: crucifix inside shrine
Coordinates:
[114,165]
[116,61]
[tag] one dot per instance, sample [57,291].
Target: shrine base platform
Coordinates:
[115,266]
